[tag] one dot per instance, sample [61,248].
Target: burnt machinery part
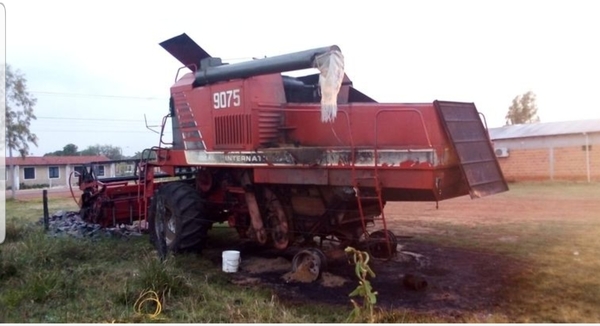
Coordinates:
[177,219]
[414,282]
[277,220]
[276,64]
[378,247]
[318,261]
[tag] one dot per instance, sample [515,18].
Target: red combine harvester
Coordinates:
[286,159]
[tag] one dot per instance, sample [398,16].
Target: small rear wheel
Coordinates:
[177,220]
[382,244]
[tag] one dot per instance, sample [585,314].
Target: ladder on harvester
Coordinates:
[387,249]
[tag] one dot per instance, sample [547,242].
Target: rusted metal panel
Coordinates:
[473,147]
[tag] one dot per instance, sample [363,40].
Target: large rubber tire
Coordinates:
[177,220]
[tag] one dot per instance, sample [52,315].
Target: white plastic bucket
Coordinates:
[231,261]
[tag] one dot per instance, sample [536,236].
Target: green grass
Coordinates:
[45,279]
[70,280]
[62,279]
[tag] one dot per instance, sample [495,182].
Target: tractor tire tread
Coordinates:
[191,223]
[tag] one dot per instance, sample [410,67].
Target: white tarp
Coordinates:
[331,66]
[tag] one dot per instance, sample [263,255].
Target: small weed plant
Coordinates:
[364,312]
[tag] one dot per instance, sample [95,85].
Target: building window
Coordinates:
[53,172]
[29,173]
[78,169]
[100,171]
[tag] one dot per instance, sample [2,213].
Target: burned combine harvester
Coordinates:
[287,159]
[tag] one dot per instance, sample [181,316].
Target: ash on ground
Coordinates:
[69,223]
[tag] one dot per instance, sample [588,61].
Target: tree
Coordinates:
[70,150]
[112,152]
[19,114]
[55,153]
[523,110]
[138,155]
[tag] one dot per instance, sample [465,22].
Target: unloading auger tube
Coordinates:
[277,64]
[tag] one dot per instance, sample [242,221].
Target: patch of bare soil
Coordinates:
[332,281]
[257,265]
[422,277]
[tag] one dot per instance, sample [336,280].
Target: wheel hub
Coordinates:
[170,234]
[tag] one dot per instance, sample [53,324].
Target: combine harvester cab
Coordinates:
[288,160]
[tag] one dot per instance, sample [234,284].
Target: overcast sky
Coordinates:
[96,67]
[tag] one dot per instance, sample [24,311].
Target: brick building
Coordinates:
[568,150]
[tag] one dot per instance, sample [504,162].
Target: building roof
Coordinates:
[541,129]
[55,160]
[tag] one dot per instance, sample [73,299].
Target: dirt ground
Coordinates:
[458,280]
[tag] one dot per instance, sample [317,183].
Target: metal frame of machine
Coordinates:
[275,158]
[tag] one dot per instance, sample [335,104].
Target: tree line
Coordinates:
[110,151]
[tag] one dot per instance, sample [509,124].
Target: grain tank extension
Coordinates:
[287,159]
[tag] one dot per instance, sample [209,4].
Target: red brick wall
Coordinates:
[531,164]
[595,162]
[570,163]
[534,164]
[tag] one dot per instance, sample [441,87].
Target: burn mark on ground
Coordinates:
[456,279]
